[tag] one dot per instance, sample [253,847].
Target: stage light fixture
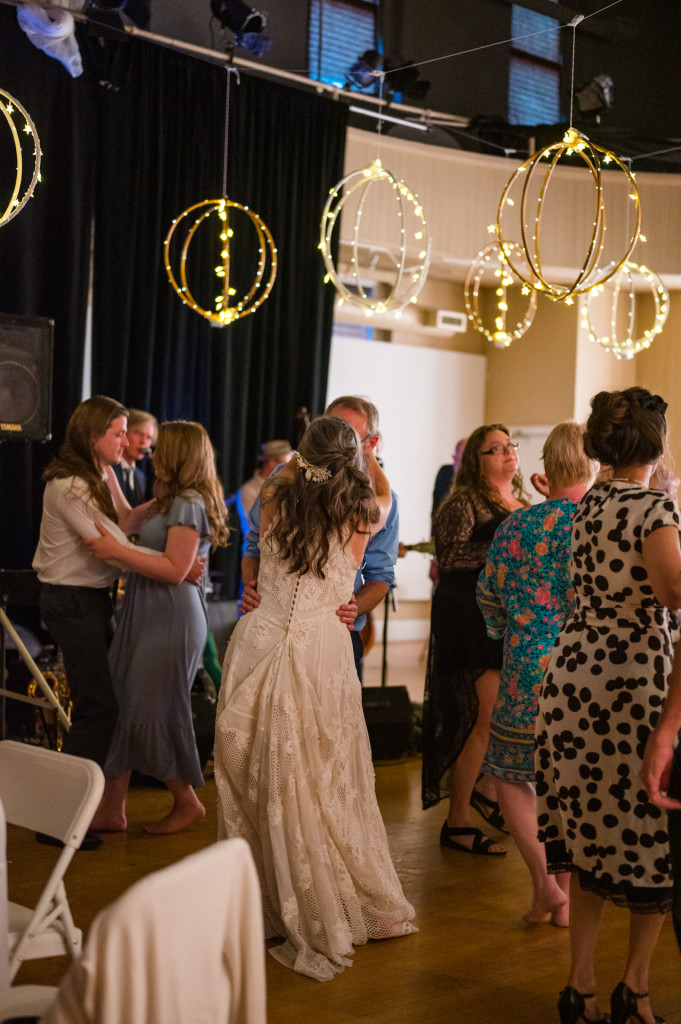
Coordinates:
[596,96]
[363,71]
[110,10]
[245,22]
[403,77]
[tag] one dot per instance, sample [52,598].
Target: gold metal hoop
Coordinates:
[9,106]
[620,293]
[593,272]
[227,309]
[414,234]
[491,261]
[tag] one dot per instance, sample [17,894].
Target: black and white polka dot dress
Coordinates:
[599,700]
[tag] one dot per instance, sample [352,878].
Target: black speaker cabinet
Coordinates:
[25,377]
[390,722]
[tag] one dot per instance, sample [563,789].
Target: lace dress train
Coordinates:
[294,772]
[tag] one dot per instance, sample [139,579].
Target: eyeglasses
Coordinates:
[497,449]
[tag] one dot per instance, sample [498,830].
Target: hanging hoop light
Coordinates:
[9,107]
[522,212]
[615,304]
[492,267]
[411,257]
[228,306]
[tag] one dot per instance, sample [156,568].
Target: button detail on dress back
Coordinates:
[293,603]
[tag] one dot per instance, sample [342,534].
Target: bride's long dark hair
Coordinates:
[312,511]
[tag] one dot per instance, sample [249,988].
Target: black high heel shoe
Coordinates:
[571,1007]
[624,1006]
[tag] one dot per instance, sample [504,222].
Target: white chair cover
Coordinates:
[21,1000]
[58,794]
[183,946]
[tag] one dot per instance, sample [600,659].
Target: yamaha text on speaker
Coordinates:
[25,378]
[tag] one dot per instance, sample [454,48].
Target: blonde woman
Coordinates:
[162,630]
[292,757]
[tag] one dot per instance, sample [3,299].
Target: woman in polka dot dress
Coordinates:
[600,699]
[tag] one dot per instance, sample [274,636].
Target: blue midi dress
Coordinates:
[154,657]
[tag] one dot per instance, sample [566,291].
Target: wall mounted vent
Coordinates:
[452,321]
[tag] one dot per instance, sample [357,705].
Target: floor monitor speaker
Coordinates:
[390,721]
[25,377]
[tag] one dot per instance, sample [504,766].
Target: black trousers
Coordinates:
[674,818]
[80,620]
[358,651]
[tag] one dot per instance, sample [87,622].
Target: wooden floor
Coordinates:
[473,960]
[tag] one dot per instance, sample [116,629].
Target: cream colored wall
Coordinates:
[598,370]
[533,381]
[460,193]
[659,368]
[553,371]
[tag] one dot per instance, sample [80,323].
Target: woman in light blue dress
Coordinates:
[161,632]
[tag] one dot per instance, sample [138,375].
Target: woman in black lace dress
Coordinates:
[463,664]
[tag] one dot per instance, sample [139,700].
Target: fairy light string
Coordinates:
[622,291]
[532,180]
[414,234]
[10,107]
[227,307]
[491,260]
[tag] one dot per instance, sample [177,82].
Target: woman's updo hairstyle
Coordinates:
[330,444]
[626,428]
[329,496]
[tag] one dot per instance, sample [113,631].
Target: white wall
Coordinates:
[427,399]
[531,440]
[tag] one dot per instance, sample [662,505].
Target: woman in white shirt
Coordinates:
[76,601]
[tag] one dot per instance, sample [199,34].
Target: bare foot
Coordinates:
[561,917]
[545,908]
[537,917]
[178,819]
[107,821]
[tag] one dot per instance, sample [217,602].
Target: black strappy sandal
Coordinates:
[489,810]
[571,1007]
[481,842]
[624,1005]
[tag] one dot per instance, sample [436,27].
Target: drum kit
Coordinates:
[38,684]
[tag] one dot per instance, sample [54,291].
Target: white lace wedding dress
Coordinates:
[294,773]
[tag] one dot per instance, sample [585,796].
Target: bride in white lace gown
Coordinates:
[292,757]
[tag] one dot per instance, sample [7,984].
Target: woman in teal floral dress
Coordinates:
[524,594]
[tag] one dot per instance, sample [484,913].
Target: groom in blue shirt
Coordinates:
[377,573]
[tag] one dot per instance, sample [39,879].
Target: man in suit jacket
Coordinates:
[134,472]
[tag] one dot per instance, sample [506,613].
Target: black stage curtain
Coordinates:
[138,139]
[160,151]
[44,260]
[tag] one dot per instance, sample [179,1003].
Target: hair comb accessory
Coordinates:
[655,403]
[314,473]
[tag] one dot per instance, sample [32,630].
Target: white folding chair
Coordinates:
[21,1000]
[56,794]
[184,945]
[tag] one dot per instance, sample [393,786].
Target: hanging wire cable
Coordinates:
[231,70]
[504,42]
[573,25]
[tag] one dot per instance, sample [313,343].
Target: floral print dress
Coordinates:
[524,594]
